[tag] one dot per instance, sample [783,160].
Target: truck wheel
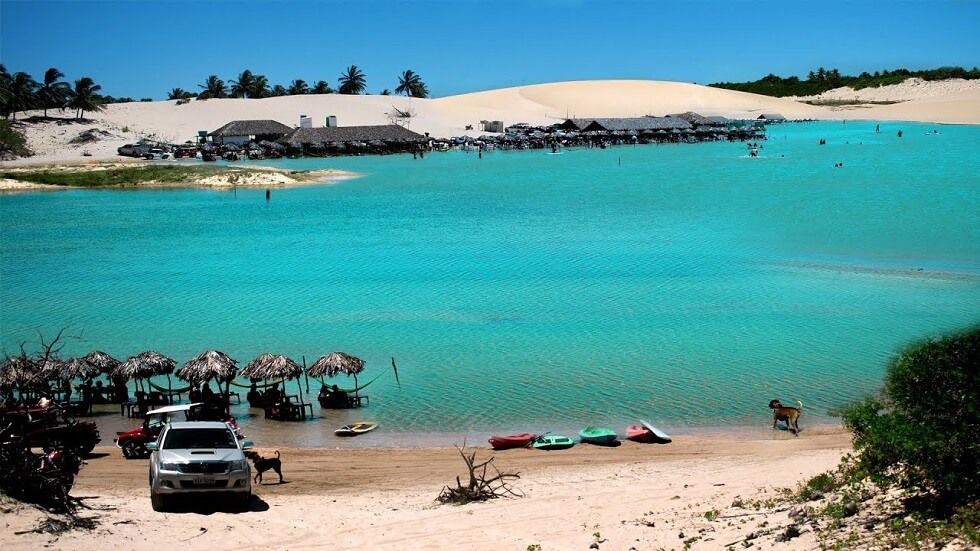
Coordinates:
[158,502]
[132,449]
[244,500]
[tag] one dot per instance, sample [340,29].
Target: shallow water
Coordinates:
[688,284]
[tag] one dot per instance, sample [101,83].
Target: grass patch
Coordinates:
[820,484]
[121,176]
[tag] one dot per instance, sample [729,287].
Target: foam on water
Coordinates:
[683,283]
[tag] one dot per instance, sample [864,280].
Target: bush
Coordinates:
[13,141]
[924,432]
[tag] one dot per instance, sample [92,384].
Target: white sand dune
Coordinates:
[449,116]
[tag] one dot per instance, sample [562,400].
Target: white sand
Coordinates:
[633,496]
[946,102]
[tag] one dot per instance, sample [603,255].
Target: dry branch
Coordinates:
[485,482]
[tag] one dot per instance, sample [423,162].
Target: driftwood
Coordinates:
[485,482]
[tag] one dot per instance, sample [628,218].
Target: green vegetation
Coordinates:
[821,80]
[922,435]
[20,92]
[121,176]
[410,83]
[352,81]
[12,141]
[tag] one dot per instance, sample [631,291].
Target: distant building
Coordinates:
[492,126]
[772,117]
[626,124]
[334,136]
[242,132]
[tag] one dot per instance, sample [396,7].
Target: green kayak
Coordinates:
[597,435]
[552,442]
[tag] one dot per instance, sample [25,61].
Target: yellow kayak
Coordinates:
[355,429]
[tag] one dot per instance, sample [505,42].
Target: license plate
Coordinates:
[202,480]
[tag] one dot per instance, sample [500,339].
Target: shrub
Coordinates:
[13,141]
[924,432]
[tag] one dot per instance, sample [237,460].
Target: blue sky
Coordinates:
[145,48]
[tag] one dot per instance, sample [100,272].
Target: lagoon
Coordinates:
[689,284]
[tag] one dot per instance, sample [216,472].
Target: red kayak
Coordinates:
[647,434]
[511,441]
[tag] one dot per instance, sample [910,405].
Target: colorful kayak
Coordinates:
[522,440]
[647,433]
[355,429]
[552,442]
[597,435]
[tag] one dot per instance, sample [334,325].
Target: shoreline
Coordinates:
[641,496]
[195,175]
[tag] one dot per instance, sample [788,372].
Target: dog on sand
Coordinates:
[263,464]
[787,414]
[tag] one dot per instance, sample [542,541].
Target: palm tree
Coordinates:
[85,97]
[23,92]
[352,81]
[260,87]
[386,92]
[5,82]
[244,85]
[178,93]
[53,92]
[410,84]
[213,87]
[321,87]
[278,90]
[298,87]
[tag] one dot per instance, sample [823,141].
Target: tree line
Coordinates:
[250,85]
[822,79]
[20,92]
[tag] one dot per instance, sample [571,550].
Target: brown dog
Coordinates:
[263,464]
[787,414]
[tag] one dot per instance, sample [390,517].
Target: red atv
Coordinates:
[133,442]
[49,428]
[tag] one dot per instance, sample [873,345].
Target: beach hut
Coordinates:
[104,362]
[335,363]
[208,365]
[242,132]
[771,117]
[338,138]
[278,367]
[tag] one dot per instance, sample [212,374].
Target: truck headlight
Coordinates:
[168,467]
[237,465]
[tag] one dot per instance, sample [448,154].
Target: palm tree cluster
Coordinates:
[20,92]
[250,85]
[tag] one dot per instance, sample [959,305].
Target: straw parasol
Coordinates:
[273,366]
[102,361]
[210,364]
[337,362]
[18,372]
[145,365]
[70,369]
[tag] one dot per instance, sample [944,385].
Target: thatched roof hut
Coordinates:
[145,365]
[323,137]
[210,364]
[102,361]
[695,119]
[771,117]
[626,124]
[260,129]
[334,363]
[272,366]
[18,371]
[70,369]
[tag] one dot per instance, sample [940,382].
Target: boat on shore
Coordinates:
[647,434]
[510,441]
[356,429]
[597,435]
[552,442]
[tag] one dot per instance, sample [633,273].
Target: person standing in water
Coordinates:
[268,194]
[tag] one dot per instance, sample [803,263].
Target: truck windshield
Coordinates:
[185,439]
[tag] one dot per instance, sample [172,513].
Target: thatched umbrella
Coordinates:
[273,366]
[337,362]
[210,364]
[102,361]
[18,372]
[70,369]
[145,365]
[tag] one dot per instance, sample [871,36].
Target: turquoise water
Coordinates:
[683,283]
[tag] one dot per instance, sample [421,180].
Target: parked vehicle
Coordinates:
[134,150]
[50,429]
[133,442]
[198,457]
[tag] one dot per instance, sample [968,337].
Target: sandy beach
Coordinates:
[633,496]
[941,102]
